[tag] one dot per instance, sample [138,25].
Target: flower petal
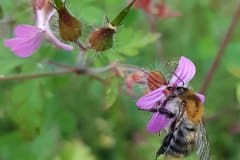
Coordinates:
[148,101]
[39,4]
[53,40]
[201,97]
[25,46]
[163,11]
[26,30]
[184,72]
[157,122]
[144,5]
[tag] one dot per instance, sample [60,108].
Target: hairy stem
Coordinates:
[33,76]
[220,52]
[92,72]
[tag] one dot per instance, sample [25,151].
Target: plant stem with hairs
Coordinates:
[66,69]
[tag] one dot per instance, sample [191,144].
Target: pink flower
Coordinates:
[144,5]
[164,11]
[183,74]
[136,77]
[28,38]
[159,9]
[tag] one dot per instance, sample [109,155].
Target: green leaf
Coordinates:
[8,60]
[238,93]
[234,70]
[24,149]
[74,150]
[112,92]
[93,15]
[26,107]
[231,59]
[132,40]
[120,17]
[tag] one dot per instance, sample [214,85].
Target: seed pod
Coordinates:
[70,28]
[102,38]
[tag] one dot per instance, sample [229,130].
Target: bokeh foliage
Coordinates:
[76,117]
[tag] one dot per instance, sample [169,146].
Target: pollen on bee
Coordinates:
[194,111]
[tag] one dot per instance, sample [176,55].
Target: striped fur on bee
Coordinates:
[186,133]
[180,141]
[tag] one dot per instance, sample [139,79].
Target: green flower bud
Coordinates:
[102,38]
[69,27]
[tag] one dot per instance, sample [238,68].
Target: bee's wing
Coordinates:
[202,143]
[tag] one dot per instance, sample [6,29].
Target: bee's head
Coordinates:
[180,90]
[177,90]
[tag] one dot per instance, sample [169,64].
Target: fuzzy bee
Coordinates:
[177,109]
[187,132]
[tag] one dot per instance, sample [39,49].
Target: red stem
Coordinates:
[221,50]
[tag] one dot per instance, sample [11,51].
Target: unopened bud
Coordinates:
[69,27]
[102,38]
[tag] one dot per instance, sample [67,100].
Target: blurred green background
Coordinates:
[77,118]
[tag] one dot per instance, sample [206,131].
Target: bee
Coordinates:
[187,132]
[181,112]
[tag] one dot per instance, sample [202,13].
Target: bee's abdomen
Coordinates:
[180,143]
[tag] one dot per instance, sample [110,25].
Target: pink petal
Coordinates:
[24,46]
[144,5]
[26,30]
[149,100]
[39,4]
[185,72]
[157,122]
[164,11]
[53,40]
[201,97]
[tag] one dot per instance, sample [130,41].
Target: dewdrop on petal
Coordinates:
[70,28]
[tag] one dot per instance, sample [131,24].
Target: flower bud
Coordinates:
[102,38]
[69,27]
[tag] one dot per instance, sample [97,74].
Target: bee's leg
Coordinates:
[161,110]
[164,146]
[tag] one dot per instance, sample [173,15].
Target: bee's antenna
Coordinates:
[178,77]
